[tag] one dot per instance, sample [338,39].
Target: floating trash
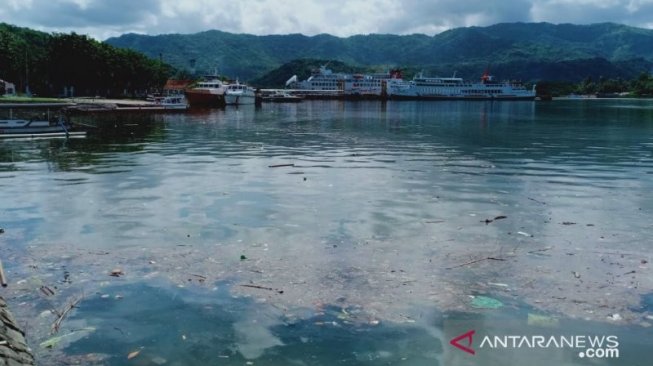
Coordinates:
[484,302]
[539,320]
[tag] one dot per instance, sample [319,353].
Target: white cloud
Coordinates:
[104,18]
[632,12]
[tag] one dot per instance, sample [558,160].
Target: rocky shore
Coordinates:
[13,348]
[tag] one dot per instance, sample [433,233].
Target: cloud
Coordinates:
[104,18]
[633,12]
[418,16]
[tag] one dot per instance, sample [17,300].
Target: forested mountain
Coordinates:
[528,51]
[48,63]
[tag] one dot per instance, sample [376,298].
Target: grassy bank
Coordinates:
[19,99]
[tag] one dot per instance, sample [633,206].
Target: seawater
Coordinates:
[367,187]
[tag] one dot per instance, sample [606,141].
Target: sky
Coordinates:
[106,18]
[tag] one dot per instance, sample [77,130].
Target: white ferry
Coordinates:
[369,85]
[323,82]
[456,88]
[321,79]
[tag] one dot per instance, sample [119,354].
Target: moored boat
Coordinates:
[173,102]
[282,97]
[31,120]
[209,93]
[322,79]
[239,94]
[369,85]
[456,88]
[326,84]
[37,128]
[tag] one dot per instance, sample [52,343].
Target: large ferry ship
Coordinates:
[369,85]
[456,88]
[325,82]
[321,79]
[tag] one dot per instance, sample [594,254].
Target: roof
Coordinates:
[172,84]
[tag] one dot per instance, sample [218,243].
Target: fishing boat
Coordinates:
[208,93]
[37,128]
[38,124]
[422,87]
[239,94]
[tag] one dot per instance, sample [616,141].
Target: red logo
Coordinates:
[468,336]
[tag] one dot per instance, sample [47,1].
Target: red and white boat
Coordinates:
[208,93]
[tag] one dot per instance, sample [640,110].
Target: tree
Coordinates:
[643,85]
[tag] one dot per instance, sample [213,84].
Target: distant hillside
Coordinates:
[528,51]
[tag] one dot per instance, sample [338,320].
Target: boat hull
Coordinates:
[239,99]
[202,98]
[35,129]
[288,99]
[43,135]
[460,97]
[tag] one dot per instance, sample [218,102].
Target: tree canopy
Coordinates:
[48,63]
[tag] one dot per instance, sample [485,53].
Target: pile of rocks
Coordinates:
[13,349]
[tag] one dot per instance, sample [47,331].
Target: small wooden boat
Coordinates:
[32,124]
[17,128]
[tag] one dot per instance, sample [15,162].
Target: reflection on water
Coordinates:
[373,202]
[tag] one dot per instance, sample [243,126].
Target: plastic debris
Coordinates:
[539,320]
[133,354]
[116,272]
[159,360]
[497,284]
[54,341]
[484,302]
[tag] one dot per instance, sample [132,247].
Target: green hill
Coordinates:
[48,63]
[529,51]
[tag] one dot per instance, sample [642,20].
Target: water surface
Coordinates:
[381,208]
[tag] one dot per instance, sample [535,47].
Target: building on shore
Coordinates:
[175,87]
[7,88]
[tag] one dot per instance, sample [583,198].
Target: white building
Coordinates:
[9,88]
